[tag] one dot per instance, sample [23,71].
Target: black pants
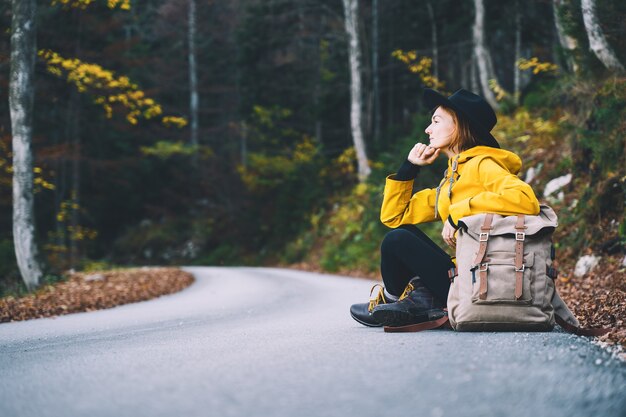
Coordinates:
[407,252]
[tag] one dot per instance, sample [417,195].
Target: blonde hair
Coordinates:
[463,138]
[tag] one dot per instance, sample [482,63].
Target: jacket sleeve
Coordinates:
[400,206]
[504,193]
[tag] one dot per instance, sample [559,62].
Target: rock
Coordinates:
[556,184]
[624,262]
[530,175]
[532,172]
[190,250]
[586,264]
[94,277]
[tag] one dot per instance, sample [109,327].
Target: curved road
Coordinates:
[271,342]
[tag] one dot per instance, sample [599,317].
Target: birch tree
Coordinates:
[375,72]
[351,23]
[193,77]
[21,94]
[518,53]
[568,43]
[597,41]
[482,53]
[433,35]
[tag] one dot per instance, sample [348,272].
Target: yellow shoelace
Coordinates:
[407,290]
[379,299]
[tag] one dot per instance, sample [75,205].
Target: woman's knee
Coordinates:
[396,238]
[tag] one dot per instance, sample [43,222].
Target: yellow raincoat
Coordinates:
[484,181]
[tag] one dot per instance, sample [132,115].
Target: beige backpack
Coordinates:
[505,277]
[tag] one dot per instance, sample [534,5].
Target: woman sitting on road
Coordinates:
[481,178]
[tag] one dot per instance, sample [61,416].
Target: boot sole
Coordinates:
[364,323]
[428,325]
[394,318]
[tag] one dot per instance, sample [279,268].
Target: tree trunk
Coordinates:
[73,129]
[474,74]
[518,53]
[193,78]
[375,75]
[597,41]
[21,97]
[243,145]
[482,53]
[317,91]
[568,44]
[351,21]
[75,193]
[433,35]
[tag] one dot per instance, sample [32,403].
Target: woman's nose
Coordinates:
[427,130]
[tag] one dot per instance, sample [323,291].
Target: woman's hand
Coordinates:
[422,154]
[448,234]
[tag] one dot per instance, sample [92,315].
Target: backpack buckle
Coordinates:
[520,236]
[483,237]
[483,267]
[452,273]
[521,269]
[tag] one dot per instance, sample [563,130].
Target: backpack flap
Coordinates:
[545,222]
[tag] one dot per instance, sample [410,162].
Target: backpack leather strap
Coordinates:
[566,319]
[480,256]
[520,236]
[579,330]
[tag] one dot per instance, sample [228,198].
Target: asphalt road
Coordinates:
[269,342]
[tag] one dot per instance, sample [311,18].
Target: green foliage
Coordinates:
[158,243]
[10,281]
[8,263]
[285,171]
[540,95]
[165,149]
[223,255]
[51,279]
[347,236]
[353,232]
[99,265]
[604,135]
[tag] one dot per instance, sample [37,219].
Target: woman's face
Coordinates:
[441,129]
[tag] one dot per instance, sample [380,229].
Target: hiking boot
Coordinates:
[416,305]
[362,312]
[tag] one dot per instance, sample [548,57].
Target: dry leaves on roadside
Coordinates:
[598,298]
[94,291]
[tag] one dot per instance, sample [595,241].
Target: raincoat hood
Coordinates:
[506,159]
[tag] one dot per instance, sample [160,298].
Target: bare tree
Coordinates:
[21,95]
[518,53]
[597,41]
[473,74]
[568,43]
[354,52]
[193,76]
[375,71]
[481,52]
[433,35]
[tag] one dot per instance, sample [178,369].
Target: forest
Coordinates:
[260,132]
